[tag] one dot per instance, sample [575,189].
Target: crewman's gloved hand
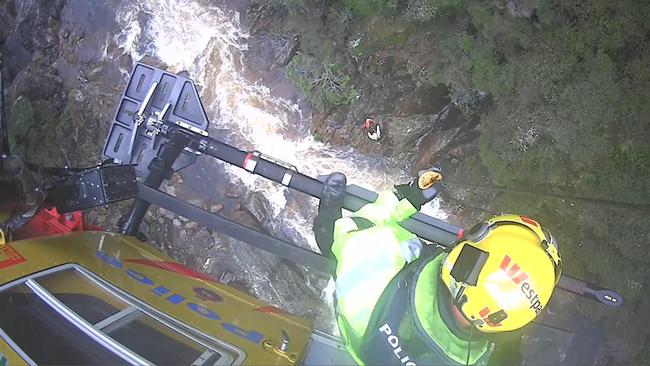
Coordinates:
[423,189]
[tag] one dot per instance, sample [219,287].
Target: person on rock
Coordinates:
[373,129]
[402,302]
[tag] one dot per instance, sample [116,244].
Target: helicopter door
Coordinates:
[67,315]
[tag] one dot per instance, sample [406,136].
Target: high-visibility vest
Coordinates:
[370,244]
[377,295]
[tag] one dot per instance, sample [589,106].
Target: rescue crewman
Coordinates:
[401,302]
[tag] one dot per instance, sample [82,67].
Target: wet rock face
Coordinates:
[62,75]
[19,40]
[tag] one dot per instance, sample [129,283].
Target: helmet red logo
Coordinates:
[513,271]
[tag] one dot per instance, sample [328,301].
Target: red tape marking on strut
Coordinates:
[270,309]
[247,160]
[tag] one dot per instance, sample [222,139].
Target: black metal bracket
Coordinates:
[160,168]
[93,188]
[153,103]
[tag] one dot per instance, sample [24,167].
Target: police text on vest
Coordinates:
[394,342]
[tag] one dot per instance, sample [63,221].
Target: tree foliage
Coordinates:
[568,85]
[323,83]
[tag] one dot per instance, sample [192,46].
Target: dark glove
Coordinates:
[421,190]
[333,191]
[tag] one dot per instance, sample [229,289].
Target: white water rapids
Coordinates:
[209,43]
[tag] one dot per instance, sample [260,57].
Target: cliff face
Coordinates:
[63,74]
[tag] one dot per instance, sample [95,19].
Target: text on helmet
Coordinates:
[521,277]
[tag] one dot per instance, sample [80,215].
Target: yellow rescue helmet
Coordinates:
[503,272]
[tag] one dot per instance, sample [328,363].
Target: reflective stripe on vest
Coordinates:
[368,260]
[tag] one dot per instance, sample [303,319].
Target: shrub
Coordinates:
[331,87]
[297,72]
[372,7]
[334,87]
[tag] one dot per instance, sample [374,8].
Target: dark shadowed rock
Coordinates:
[15,57]
[88,17]
[7,19]
[37,85]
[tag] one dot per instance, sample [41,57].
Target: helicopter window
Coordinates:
[82,295]
[87,321]
[156,342]
[47,336]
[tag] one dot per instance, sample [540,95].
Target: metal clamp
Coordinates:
[282,349]
[140,117]
[273,160]
[191,128]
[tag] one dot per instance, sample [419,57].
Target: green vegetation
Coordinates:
[561,94]
[324,84]
[372,7]
[44,135]
[34,128]
[297,72]
[19,131]
[334,86]
[413,10]
[568,81]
